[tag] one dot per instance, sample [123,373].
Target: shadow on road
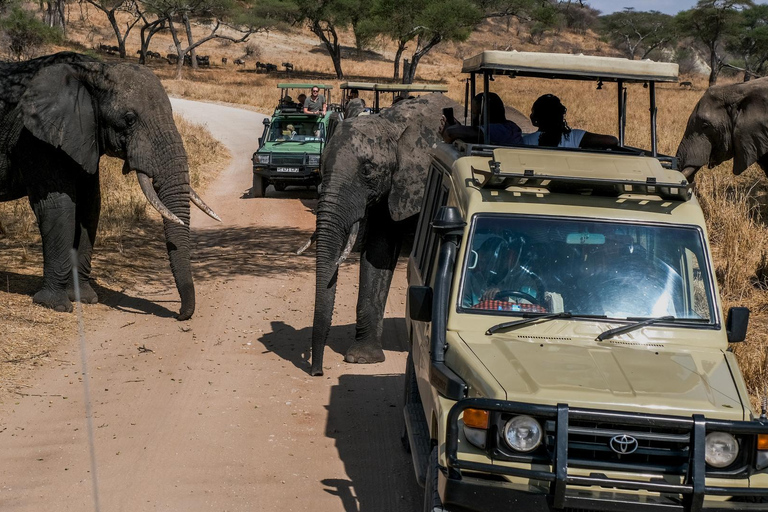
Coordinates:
[365,418]
[294,345]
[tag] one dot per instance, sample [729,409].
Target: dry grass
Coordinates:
[128,228]
[735,207]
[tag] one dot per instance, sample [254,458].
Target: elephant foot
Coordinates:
[87,293]
[364,354]
[56,300]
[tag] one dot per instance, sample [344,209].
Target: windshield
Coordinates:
[523,264]
[296,130]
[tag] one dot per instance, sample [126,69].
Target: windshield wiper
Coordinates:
[528,318]
[610,333]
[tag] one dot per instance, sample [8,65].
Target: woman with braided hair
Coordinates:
[548,114]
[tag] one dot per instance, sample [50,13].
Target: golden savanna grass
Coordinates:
[734,207]
[128,228]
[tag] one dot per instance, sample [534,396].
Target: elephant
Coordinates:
[729,121]
[58,115]
[374,169]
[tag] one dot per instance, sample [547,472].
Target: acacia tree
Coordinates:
[25,32]
[749,40]
[638,33]
[325,18]
[221,17]
[111,8]
[709,23]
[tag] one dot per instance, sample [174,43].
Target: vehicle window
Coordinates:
[425,245]
[621,270]
[296,130]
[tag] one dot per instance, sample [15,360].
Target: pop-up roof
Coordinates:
[567,66]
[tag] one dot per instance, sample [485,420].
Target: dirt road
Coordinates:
[219,413]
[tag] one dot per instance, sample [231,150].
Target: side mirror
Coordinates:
[736,324]
[420,303]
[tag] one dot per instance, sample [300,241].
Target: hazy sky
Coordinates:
[667,6]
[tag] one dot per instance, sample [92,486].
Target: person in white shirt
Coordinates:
[548,115]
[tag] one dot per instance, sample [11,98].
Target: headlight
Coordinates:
[313,160]
[722,449]
[523,433]
[264,159]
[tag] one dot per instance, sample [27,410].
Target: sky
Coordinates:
[665,6]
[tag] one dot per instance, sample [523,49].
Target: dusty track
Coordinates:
[221,414]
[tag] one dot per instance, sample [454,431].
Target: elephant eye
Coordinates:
[130,118]
[367,168]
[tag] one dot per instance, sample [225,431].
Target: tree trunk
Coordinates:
[714,67]
[417,55]
[153,28]
[190,41]
[333,46]
[398,56]
[120,39]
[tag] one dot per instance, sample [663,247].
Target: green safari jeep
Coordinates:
[292,142]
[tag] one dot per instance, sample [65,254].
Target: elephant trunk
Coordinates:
[169,184]
[336,221]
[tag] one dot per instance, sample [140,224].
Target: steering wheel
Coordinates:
[522,295]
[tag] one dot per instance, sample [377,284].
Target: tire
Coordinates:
[432,501]
[408,397]
[280,187]
[259,186]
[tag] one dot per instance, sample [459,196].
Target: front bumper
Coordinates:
[477,486]
[297,174]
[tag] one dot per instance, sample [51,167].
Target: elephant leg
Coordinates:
[56,220]
[87,222]
[377,263]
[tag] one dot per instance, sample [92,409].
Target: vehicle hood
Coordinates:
[603,375]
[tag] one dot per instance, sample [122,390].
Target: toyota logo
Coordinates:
[623,444]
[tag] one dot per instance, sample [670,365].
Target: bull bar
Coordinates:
[693,489]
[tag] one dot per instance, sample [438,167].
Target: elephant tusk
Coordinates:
[689,170]
[201,204]
[350,243]
[149,191]
[308,244]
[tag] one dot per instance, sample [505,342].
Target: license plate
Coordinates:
[288,169]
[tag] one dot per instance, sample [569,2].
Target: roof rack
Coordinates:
[556,175]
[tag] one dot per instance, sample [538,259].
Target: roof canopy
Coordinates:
[363,86]
[411,88]
[573,67]
[303,86]
[371,86]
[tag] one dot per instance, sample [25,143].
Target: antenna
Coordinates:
[86,388]
[764,405]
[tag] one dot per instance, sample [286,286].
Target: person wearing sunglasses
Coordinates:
[315,104]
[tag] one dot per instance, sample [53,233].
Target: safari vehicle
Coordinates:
[568,346]
[377,89]
[292,142]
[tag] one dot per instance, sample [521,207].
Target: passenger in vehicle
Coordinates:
[498,279]
[548,114]
[503,132]
[300,99]
[289,131]
[315,104]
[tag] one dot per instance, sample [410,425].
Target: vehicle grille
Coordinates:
[287,159]
[658,450]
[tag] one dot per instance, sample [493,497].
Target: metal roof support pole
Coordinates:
[486,114]
[376,101]
[472,89]
[620,84]
[466,101]
[652,94]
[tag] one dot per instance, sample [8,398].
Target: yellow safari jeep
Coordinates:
[568,347]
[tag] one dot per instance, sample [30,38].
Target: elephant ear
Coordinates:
[58,109]
[418,120]
[750,133]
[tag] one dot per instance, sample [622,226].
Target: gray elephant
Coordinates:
[58,115]
[374,169]
[729,121]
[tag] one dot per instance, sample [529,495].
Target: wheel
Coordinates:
[260,185]
[432,501]
[279,186]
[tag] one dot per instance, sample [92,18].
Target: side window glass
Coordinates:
[699,302]
[423,229]
[430,251]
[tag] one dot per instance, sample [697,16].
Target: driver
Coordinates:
[498,279]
